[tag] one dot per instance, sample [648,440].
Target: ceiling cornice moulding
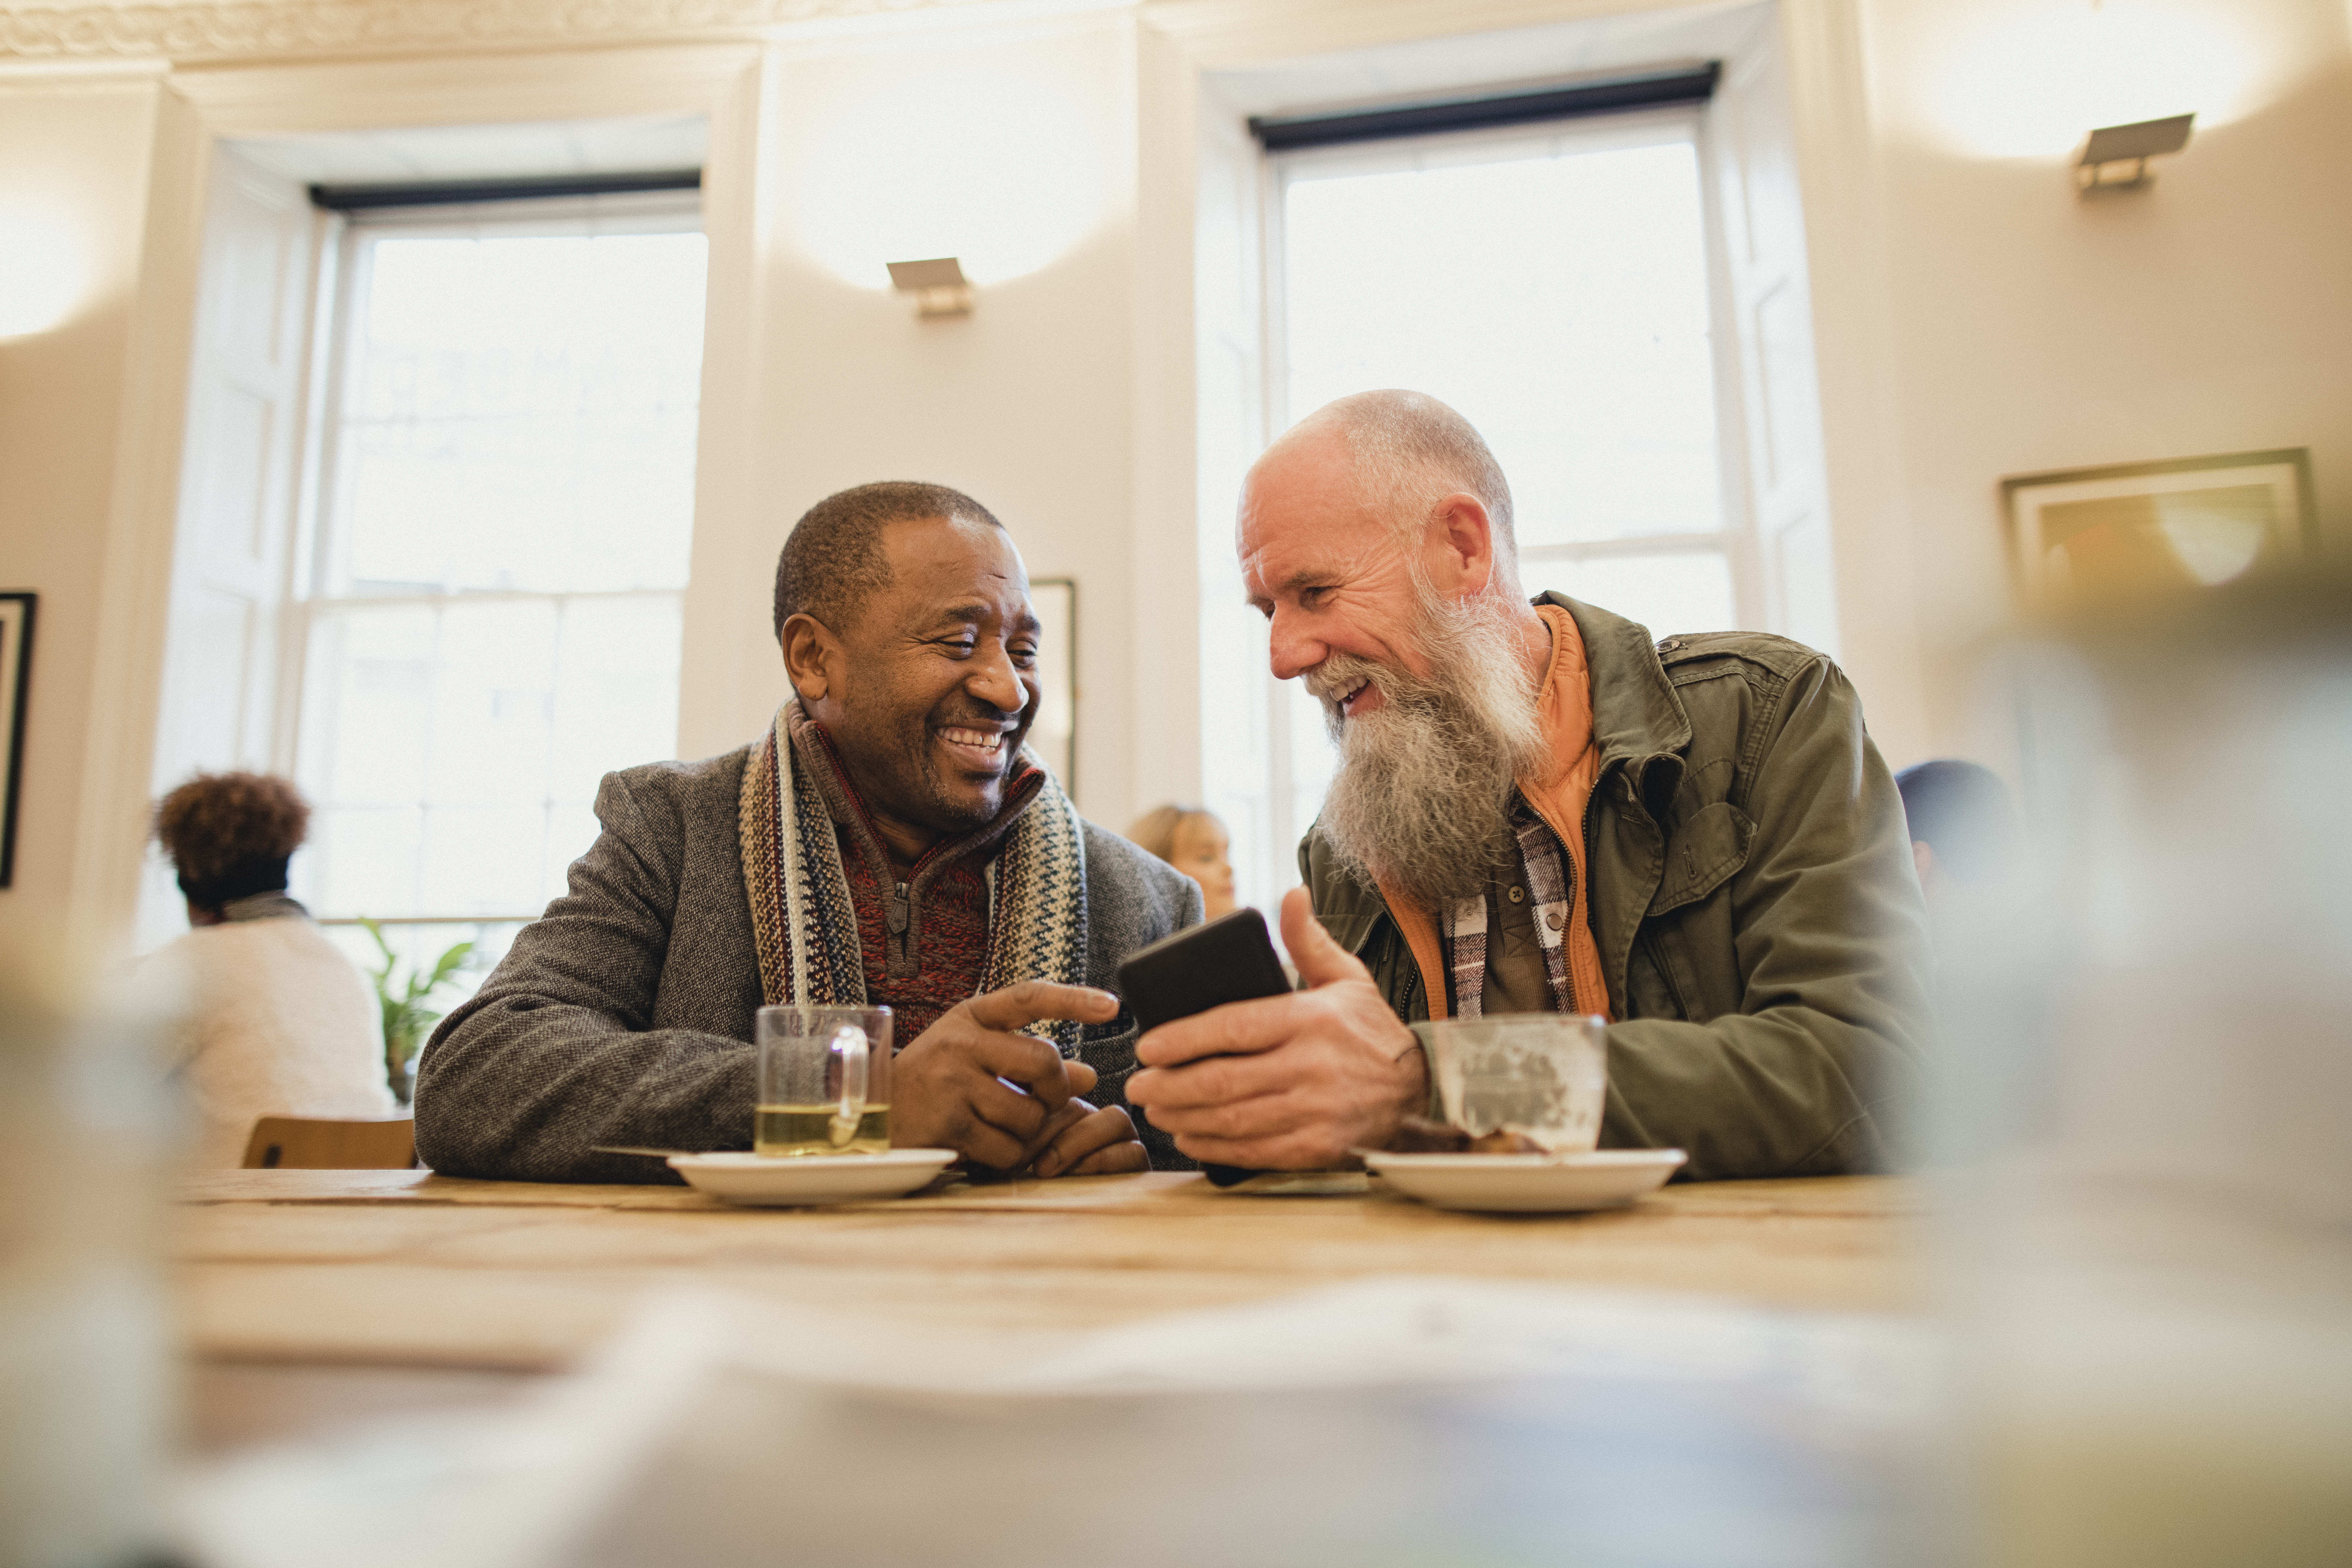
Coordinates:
[222,30]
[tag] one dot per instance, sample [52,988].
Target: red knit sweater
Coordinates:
[939,955]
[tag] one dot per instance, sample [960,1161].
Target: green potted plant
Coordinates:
[406,1018]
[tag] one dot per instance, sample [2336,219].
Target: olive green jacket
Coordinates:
[1754,900]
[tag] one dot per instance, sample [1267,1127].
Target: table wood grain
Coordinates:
[411,1269]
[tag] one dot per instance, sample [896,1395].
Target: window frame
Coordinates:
[346,267]
[1631,128]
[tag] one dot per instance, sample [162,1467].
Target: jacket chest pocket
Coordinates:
[1683,964]
[1703,854]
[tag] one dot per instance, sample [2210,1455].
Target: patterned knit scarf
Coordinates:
[806,927]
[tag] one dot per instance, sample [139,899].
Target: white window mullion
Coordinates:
[494,600]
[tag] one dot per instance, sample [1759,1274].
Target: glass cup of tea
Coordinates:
[1543,1075]
[824,1081]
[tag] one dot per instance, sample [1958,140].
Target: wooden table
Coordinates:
[312,1297]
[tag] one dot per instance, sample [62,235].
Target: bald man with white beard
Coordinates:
[1537,809]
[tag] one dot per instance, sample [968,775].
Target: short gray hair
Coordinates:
[1412,451]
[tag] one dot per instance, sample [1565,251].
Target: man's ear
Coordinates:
[813,657]
[1459,548]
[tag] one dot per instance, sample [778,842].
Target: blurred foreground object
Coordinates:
[2150,1078]
[83,1368]
[1376,1422]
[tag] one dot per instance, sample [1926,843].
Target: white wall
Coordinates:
[1014,150]
[2211,312]
[73,172]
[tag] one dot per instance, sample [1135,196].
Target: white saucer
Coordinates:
[1529,1183]
[742,1177]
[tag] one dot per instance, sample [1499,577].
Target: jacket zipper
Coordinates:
[1584,831]
[1575,891]
[1412,974]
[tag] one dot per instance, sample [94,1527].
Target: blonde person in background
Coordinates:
[1195,842]
[275,1021]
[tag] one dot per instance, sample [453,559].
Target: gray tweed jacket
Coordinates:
[624,1015]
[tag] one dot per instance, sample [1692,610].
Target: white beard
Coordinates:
[1422,799]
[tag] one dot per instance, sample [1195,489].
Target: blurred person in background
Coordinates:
[276,1021]
[1963,827]
[1192,839]
[1538,808]
[1964,841]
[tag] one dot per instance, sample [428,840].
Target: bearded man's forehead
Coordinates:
[1315,552]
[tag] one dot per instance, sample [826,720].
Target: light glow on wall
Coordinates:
[2032,80]
[43,271]
[1007,166]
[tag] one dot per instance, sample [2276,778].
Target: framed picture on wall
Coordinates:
[1055,736]
[2133,527]
[15,680]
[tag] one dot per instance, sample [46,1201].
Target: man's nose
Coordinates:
[1289,650]
[995,682]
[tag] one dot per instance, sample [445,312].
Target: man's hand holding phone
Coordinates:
[1286,1082]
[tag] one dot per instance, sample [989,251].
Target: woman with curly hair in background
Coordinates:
[278,1022]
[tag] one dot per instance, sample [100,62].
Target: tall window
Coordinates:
[505,523]
[1554,285]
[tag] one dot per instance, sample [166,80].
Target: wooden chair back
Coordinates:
[320,1144]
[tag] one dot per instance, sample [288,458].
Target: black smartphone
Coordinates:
[1229,959]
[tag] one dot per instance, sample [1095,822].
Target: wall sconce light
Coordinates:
[2116,158]
[938,286]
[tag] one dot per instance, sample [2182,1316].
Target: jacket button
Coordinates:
[1518,895]
[1555,919]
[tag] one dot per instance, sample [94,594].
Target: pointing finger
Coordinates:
[1016,1005]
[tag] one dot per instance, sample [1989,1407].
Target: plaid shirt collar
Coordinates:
[1552,883]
